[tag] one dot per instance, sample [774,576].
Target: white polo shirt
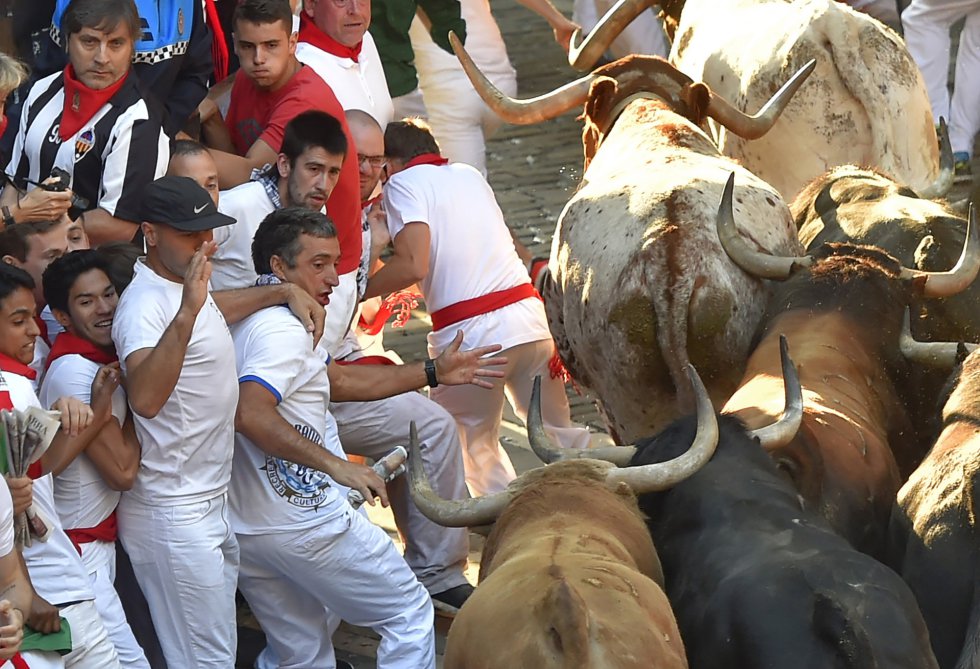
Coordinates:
[359,85]
[81,495]
[188,445]
[269,494]
[471,252]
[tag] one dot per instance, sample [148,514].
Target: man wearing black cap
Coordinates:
[178,358]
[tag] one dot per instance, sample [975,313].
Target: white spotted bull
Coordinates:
[640,284]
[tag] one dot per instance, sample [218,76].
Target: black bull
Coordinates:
[757,582]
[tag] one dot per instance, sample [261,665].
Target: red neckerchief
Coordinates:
[309,33]
[43,327]
[82,102]
[8,364]
[3,129]
[367,203]
[67,344]
[426,159]
[219,47]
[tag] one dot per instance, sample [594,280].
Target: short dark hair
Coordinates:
[14,240]
[12,278]
[263,11]
[62,273]
[186,147]
[120,258]
[279,232]
[409,138]
[313,129]
[100,15]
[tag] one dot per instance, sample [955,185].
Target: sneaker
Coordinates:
[450,601]
[962,168]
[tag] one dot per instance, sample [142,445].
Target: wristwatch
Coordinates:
[8,218]
[430,373]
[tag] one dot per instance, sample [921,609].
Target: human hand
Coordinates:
[21,492]
[43,205]
[455,367]
[106,380]
[11,629]
[76,415]
[380,236]
[196,280]
[310,312]
[43,617]
[361,478]
[563,30]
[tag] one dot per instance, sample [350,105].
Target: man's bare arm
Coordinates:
[407,265]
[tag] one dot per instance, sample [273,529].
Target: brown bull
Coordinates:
[641,287]
[841,310]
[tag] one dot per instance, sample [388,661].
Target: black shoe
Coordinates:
[450,601]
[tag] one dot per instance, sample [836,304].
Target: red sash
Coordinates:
[104,531]
[67,344]
[400,304]
[368,360]
[309,33]
[81,102]
[477,306]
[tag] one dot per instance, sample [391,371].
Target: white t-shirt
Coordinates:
[359,85]
[6,521]
[270,494]
[54,566]
[231,264]
[471,252]
[187,447]
[81,494]
[484,44]
[41,350]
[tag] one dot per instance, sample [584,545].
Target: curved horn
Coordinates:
[663,475]
[944,181]
[522,112]
[941,354]
[448,512]
[753,127]
[584,56]
[784,429]
[944,284]
[754,262]
[543,448]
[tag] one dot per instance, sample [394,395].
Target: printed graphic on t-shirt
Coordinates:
[249,130]
[301,486]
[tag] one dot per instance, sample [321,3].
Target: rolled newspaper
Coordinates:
[25,436]
[388,467]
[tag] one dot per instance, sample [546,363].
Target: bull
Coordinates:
[640,287]
[841,309]
[865,104]
[935,536]
[757,581]
[569,575]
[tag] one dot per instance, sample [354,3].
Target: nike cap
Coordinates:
[181,203]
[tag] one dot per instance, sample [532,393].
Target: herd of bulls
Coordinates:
[821,507]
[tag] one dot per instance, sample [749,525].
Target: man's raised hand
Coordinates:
[196,279]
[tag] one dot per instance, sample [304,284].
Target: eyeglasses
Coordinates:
[376,162]
[340,4]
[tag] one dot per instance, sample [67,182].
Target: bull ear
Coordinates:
[697,97]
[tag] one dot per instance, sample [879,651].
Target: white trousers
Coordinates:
[927,24]
[478,412]
[90,644]
[298,584]
[110,608]
[186,562]
[644,35]
[340,310]
[436,554]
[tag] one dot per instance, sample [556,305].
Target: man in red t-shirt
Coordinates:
[269,90]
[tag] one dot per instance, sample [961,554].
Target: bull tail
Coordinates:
[970,655]
[834,624]
[569,631]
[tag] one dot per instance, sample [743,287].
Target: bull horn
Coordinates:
[522,112]
[753,127]
[784,429]
[944,181]
[751,261]
[543,448]
[941,354]
[448,512]
[664,475]
[944,284]
[584,56]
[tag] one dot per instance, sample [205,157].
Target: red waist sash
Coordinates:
[104,531]
[477,306]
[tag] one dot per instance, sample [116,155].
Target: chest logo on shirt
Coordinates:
[301,486]
[83,143]
[54,137]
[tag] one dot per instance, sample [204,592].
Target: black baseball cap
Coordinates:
[181,203]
